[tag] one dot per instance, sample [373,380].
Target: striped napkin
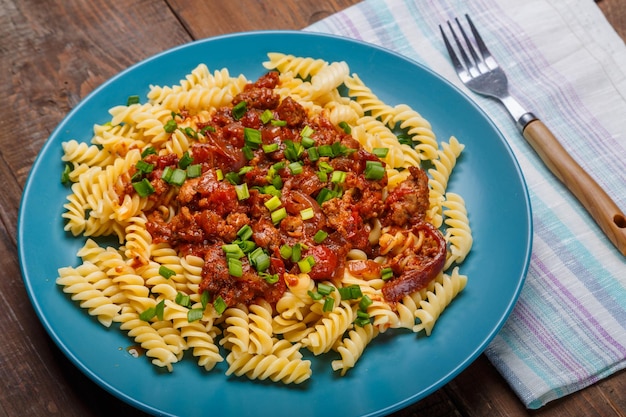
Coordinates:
[567,65]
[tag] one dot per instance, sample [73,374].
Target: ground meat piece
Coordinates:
[265,234]
[291,112]
[184,227]
[269,80]
[408,202]
[258,98]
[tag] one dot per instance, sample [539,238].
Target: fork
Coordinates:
[481,73]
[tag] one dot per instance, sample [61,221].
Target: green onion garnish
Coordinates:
[266,116]
[242,191]
[159,309]
[185,160]
[144,167]
[295,168]
[220,305]
[307,213]
[278,122]
[338,177]
[286,251]
[325,289]
[278,215]
[329,304]
[252,137]
[386,273]
[380,152]
[346,127]
[148,151]
[183,300]
[170,126]
[271,147]
[194,314]
[143,188]
[245,232]
[313,154]
[65,175]
[374,170]
[132,100]
[235,267]
[147,314]
[204,299]
[232,251]
[165,272]
[194,171]
[320,236]
[306,131]
[315,295]
[365,303]
[239,110]
[273,203]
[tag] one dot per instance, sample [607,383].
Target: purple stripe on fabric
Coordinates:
[587,319]
[552,345]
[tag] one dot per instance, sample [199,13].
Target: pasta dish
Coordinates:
[266,219]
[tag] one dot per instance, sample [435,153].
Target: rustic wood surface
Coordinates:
[53,53]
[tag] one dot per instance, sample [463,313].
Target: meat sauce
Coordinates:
[260,149]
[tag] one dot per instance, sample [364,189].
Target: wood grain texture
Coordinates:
[56,52]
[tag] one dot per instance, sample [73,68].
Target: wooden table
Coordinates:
[53,53]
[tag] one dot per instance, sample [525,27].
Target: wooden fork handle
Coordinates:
[596,201]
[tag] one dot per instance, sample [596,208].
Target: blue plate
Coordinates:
[399,368]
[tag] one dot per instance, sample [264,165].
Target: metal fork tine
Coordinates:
[479,40]
[469,64]
[453,56]
[470,47]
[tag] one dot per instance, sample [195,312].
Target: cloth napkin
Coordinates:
[566,64]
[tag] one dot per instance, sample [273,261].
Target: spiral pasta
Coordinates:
[151,290]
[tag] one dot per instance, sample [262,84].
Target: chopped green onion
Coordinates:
[259,260]
[306,132]
[147,314]
[233,178]
[232,251]
[386,273]
[266,116]
[325,167]
[206,129]
[245,169]
[269,278]
[194,314]
[277,183]
[185,160]
[252,137]
[144,167]
[315,295]
[295,168]
[170,126]
[239,110]
[362,322]
[296,252]
[183,300]
[235,267]
[338,177]
[271,147]
[278,215]
[219,174]
[65,175]
[313,153]
[286,251]
[190,132]
[346,127]
[165,272]
[177,177]
[405,140]
[351,292]
[273,203]
[380,152]
[325,289]
[245,232]
[307,142]
[329,304]
[194,171]
[220,305]
[159,309]
[293,150]
[374,170]
[247,152]
[247,246]
[143,188]
[320,236]
[278,122]
[204,299]
[365,303]
[325,194]
[307,213]
[325,150]
[305,266]
[242,191]
[148,151]
[132,100]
